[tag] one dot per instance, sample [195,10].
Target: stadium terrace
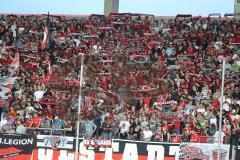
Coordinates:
[145,78]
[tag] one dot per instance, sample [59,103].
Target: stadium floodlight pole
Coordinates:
[221,108]
[79,108]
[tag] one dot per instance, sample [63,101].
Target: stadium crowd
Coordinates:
[145,78]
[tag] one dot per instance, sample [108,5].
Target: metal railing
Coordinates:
[203,139]
[50,130]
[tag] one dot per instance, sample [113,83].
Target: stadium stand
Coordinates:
[145,77]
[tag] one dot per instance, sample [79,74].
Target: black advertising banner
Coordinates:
[16,147]
[128,149]
[131,150]
[119,150]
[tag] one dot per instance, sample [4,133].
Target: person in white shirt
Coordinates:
[3,122]
[206,92]
[124,128]
[38,94]
[213,120]
[147,134]
[226,106]
[29,109]
[217,136]
[170,50]
[20,128]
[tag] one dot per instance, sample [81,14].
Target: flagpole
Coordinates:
[221,108]
[79,108]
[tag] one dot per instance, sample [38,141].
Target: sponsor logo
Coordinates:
[193,152]
[16,147]
[54,142]
[202,151]
[101,142]
[16,142]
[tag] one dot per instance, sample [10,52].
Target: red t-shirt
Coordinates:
[237,38]
[190,51]
[176,139]
[147,101]
[28,122]
[183,86]
[183,103]
[216,104]
[42,80]
[177,123]
[210,49]
[186,130]
[194,138]
[139,79]
[105,85]
[36,121]
[174,34]
[1,103]
[33,78]
[13,113]
[167,126]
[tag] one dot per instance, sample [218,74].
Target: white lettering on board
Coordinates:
[85,154]
[45,154]
[152,149]
[65,156]
[130,152]
[174,150]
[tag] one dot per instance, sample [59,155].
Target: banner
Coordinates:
[62,148]
[203,151]
[120,150]
[47,147]
[16,147]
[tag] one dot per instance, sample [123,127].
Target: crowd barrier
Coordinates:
[202,139]
[49,147]
[50,130]
[173,138]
